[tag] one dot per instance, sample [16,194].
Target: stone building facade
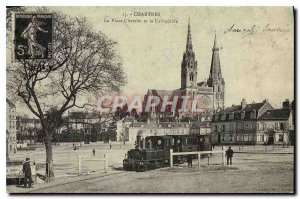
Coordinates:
[130,130]
[11,132]
[255,123]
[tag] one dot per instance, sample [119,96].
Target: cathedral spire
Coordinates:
[215,43]
[189,45]
[189,64]
[215,79]
[215,68]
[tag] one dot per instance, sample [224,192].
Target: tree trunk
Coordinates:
[49,158]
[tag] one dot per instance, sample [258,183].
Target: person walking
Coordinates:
[27,174]
[94,152]
[190,160]
[229,154]
[110,146]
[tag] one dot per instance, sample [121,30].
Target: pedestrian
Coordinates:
[27,174]
[110,146]
[190,160]
[94,152]
[229,154]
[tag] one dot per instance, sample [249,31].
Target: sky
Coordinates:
[257,47]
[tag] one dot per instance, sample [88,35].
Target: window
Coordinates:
[258,127]
[192,77]
[243,115]
[276,125]
[223,117]
[185,142]
[264,126]
[253,114]
[280,138]
[223,127]
[159,142]
[216,117]
[281,126]
[231,127]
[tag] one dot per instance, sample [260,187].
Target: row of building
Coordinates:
[255,123]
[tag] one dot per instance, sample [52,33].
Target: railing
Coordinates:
[80,159]
[197,153]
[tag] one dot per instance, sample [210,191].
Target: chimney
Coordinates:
[243,103]
[286,104]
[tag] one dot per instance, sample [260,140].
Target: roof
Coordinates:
[237,111]
[161,125]
[199,124]
[10,103]
[254,106]
[230,109]
[162,93]
[238,108]
[276,114]
[202,84]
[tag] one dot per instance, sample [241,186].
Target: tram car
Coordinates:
[154,151]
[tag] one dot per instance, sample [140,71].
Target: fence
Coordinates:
[197,153]
[81,159]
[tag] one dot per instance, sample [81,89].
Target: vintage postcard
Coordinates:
[150,100]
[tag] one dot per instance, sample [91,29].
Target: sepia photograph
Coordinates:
[144,100]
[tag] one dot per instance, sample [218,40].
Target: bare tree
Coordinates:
[84,65]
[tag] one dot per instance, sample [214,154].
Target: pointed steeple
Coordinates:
[189,45]
[215,79]
[215,74]
[189,63]
[215,43]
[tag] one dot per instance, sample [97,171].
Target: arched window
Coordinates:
[192,77]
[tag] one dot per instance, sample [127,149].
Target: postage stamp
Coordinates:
[33,36]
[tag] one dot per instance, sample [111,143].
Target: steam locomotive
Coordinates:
[154,151]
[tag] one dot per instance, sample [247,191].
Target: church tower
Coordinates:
[215,79]
[189,64]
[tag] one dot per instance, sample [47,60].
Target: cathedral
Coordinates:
[209,94]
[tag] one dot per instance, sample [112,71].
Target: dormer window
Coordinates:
[253,114]
[243,115]
[223,117]
[216,117]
